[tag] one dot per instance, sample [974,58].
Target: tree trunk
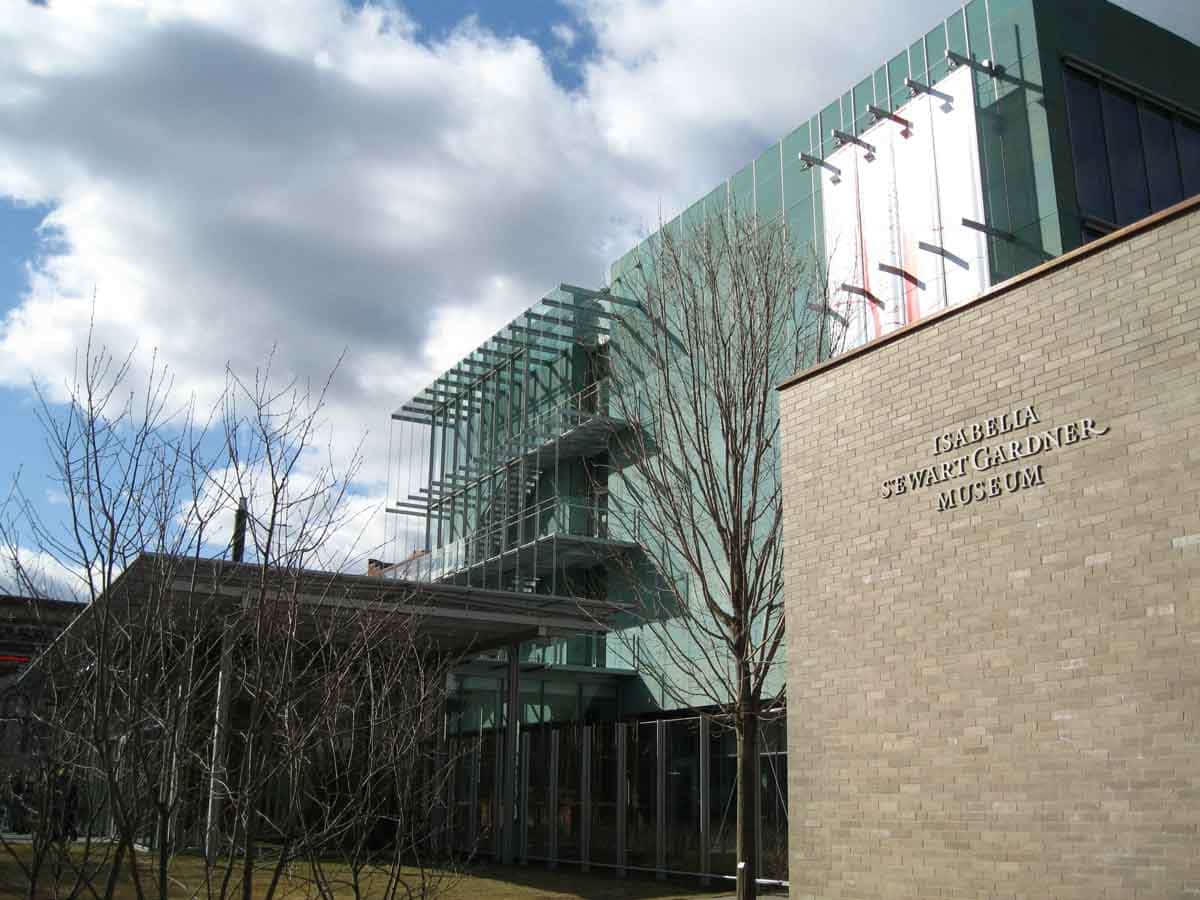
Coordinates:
[747,804]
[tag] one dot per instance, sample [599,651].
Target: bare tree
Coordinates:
[726,313]
[215,728]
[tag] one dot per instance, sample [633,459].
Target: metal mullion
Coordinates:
[492,479]
[511,467]
[467,530]
[443,470]
[456,496]
[429,508]
[585,800]
[622,799]
[523,816]
[537,503]
[524,462]
[660,800]
[552,799]
[705,758]
[602,313]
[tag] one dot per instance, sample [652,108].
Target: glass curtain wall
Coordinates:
[1132,156]
[582,779]
[500,465]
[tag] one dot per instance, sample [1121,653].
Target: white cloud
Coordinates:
[564,34]
[228,175]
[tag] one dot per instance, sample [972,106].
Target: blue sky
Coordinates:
[232,176]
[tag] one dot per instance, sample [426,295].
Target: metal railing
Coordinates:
[551,517]
[541,428]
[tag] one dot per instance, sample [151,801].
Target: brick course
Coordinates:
[1001,699]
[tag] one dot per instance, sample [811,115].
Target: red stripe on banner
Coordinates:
[912,296]
[862,255]
[18,659]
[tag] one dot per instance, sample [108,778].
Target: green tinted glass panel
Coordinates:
[715,202]
[741,190]
[795,143]
[977,29]
[831,117]
[956,33]
[881,88]
[768,198]
[692,217]
[767,191]
[897,72]
[935,47]
[800,225]
[797,183]
[1013,36]
[847,112]
[674,228]
[767,165]
[916,61]
[864,93]
[818,220]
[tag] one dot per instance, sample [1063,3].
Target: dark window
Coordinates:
[1187,137]
[1162,162]
[1087,145]
[1132,156]
[1127,162]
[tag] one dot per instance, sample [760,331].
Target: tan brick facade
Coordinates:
[1001,699]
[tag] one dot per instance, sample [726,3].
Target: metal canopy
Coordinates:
[454,618]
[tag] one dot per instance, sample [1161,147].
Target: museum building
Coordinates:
[995,691]
[1006,149]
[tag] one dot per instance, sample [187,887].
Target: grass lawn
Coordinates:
[483,882]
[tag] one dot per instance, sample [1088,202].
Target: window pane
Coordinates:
[935,41]
[1127,162]
[897,72]
[916,61]
[1187,138]
[1162,163]
[741,190]
[881,88]
[956,33]
[1087,146]
[864,95]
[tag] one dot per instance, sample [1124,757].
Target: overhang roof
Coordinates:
[455,618]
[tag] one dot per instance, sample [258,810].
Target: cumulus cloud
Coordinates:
[229,175]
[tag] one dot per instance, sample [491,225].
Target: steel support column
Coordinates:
[660,799]
[552,801]
[523,818]
[622,795]
[758,823]
[217,787]
[705,801]
[497,798]
[508,807]
[585,798]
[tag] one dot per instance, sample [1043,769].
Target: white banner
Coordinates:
[896,246]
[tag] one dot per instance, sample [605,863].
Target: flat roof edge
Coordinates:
[1040,271]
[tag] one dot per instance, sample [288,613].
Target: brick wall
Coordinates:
[1000,699]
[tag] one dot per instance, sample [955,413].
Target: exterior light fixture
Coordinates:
[864,293]
[879,113]
[954,60]
[810,161]
[989,230]
[843,137]
[916,87]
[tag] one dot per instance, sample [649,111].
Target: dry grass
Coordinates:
[485,882]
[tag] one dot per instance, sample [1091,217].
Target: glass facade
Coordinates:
[579,781]
[500,477]
[1131,155]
